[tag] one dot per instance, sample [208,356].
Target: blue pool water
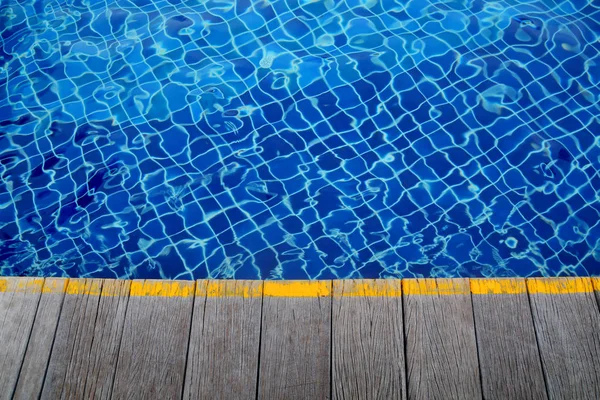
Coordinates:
[299,139]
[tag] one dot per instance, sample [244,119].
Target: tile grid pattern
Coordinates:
[299,140]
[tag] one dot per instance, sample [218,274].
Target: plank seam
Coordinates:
[260,334]
[595,291]
[74,343]
[118,352]
[93,334]
[112,387]
[476,339]
[404,336]
[331,343]
[537,342]
[187,349]
[204,312]
[62,302]
[37,307]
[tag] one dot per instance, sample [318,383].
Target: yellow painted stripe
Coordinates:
[89,287]
[213,288]
[349,288]
[559,285]
[157,288]
[55,285]
[114,287]
[21,285]
[435,287]
[498,286]
[297,288]
[596,284]
[368,288]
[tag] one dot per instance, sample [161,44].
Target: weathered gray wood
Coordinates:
[152,357]
[596,287]
[70,357]
[508,354]
[295,341]
[19,298]
[108,331]
[224,342]
[368,340]
[441,351]
[31,378]
[84,356]
[567,323]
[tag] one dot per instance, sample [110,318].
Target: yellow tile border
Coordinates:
[115,288]
[297,288]
[596,284]
[21,285]
[336,288]
[559,286]
[160,288]
[498,286]
[367,288]
[214,288]
[435,286]
[83,286]
[55,285]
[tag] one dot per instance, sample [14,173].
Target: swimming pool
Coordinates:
[299,139]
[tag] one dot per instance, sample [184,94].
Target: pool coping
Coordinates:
[297,288]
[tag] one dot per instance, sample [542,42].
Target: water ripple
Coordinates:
[299,139]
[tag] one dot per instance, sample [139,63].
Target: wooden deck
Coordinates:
[367,339]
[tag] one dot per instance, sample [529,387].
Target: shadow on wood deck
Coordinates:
[367,339]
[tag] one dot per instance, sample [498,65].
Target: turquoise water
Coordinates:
[299,139]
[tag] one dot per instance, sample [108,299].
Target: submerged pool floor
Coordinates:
[299,139]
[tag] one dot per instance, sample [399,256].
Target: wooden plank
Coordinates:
[31,378]
[84,356]
[108,331]
[509,358]
[368,340]
[567,323]
[596,287]
[70,357]
[295,341]
[441,350]
[153,353]
[19,298]
[224,342]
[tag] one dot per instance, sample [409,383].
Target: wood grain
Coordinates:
[153,352]
[508,354]
[368,341]
[295,348]
[441,350]
[70,357]
[98,342]
[568,333]
[108,331]
[18,305]
[35,362]
[224,342]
